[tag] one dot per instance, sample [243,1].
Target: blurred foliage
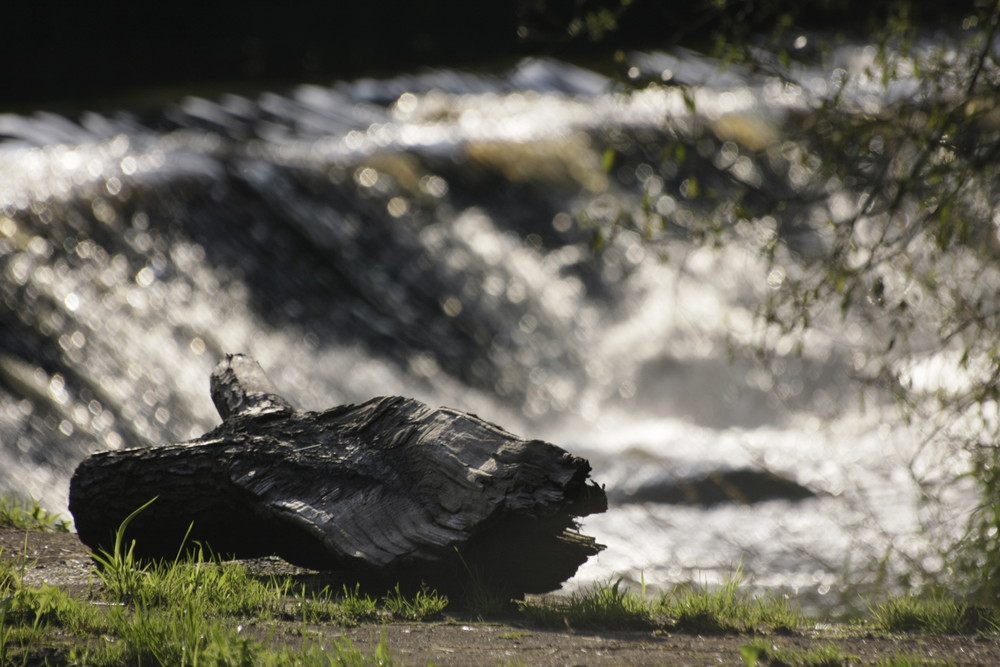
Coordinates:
[739,24]
[16,512]
[874,205]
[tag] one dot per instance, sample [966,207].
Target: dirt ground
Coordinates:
[60,559]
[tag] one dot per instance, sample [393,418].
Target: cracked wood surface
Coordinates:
[386,491]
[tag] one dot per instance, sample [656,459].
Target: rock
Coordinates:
[742,486]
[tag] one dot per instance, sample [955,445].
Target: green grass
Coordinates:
[933,613]
[727,608]
[29,515]
[351,606]
[603,606]
[31,615]
[119,570]
[36,624]
[189,611]
[422,606]
[761,651]
[195,609]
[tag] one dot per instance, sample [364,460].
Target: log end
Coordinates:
[240,386]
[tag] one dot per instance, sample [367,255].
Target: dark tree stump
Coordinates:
[383,492]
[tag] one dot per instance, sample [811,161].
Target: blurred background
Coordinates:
[674,241]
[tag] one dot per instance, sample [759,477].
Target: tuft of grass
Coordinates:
[424,605]
[350,608]
[910,660]
[611,606]
[728,609]
[10,574]
[934,613]
[29,515]
[29,615]
[602,606]
[353,604]
[219,588]
[119,570]
[175,634]
[760,652]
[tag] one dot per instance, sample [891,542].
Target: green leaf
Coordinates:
[750,654]
[608,159]
[689,101]
[597,241]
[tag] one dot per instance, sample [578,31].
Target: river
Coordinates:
[427,235]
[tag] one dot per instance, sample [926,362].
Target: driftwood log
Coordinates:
[382,492]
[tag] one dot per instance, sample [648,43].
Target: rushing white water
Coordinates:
[417,236]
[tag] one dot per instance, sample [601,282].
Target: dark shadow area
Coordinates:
[58,54]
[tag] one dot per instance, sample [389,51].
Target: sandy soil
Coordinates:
[60,559]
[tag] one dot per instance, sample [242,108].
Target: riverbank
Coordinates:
[454,638]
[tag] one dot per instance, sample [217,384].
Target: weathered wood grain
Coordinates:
[382,492]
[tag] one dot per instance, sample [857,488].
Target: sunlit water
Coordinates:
[420,236]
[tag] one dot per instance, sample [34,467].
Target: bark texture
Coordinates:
[382,492]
